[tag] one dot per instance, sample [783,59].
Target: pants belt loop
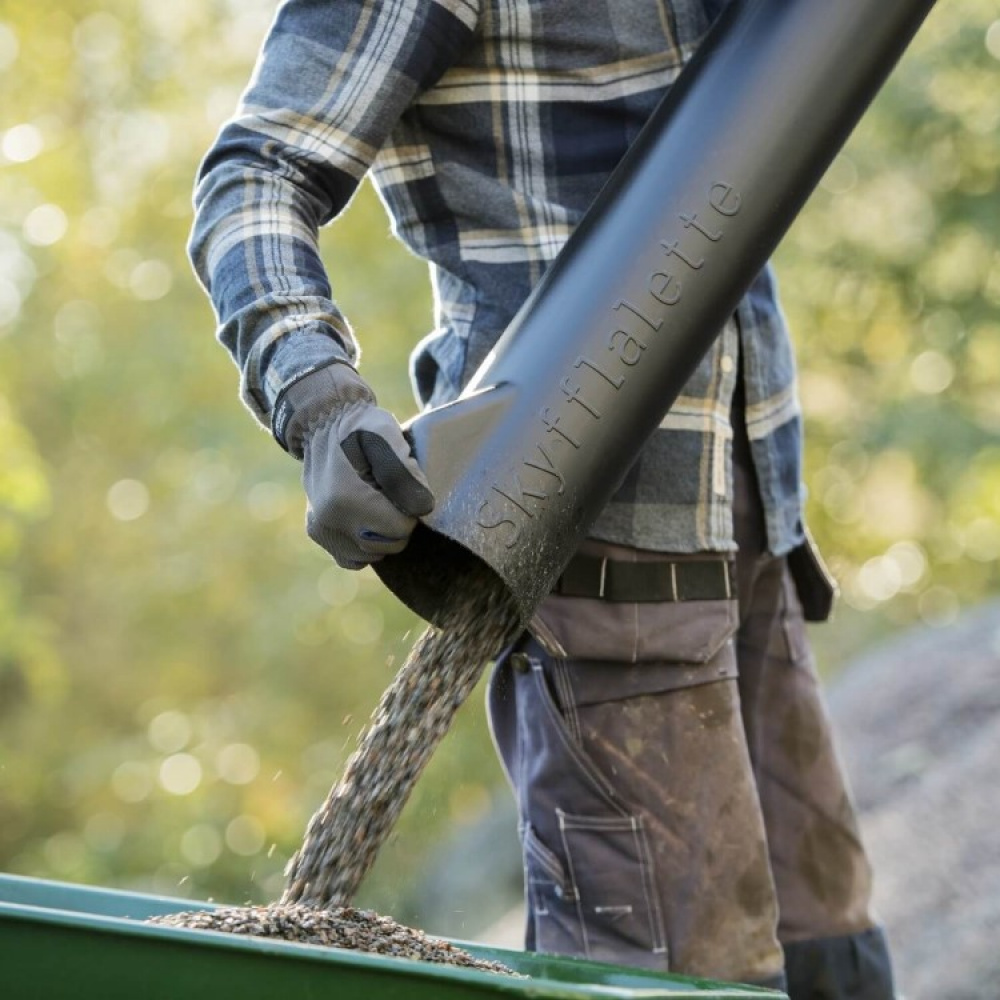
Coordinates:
[604,574]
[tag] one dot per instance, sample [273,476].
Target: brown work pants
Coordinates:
[681,801]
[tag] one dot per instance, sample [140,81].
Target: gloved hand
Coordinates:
[364,487]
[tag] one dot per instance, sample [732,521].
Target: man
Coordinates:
[680,799]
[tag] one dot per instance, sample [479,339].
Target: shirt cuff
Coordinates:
[294,356]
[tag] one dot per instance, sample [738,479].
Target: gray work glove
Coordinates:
[364,487]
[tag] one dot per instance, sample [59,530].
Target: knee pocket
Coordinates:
[593,894]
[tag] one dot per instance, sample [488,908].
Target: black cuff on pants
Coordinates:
[853,967]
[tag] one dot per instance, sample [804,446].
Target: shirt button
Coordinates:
[727,364]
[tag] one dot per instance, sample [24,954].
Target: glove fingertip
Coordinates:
[395,472]
[418,500]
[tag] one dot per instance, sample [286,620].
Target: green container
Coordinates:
[59,940]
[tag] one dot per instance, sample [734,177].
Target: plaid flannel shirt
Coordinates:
[488,127]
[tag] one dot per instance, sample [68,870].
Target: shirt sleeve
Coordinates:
[330,84]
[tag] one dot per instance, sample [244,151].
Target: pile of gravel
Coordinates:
[341,927]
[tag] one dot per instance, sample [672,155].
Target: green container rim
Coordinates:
[117,916]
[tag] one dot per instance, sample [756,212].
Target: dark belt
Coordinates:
[644,582]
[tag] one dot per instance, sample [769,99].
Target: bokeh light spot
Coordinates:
[169,732]
[338,587]
[45,225]
[993,39]
[237,763]
[22,143]
[128,499]
[245,835]
[150,280]
[201,845]
[98,36]
[99,225]
[879,579]
[910,561]
[180,774]
[931,372]
[9,46]
[981,539]
[364,625]
[267,501]
[10,301]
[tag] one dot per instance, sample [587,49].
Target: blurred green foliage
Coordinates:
[891,279]
[182,674]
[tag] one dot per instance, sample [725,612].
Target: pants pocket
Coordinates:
[553,924]
[597,900]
